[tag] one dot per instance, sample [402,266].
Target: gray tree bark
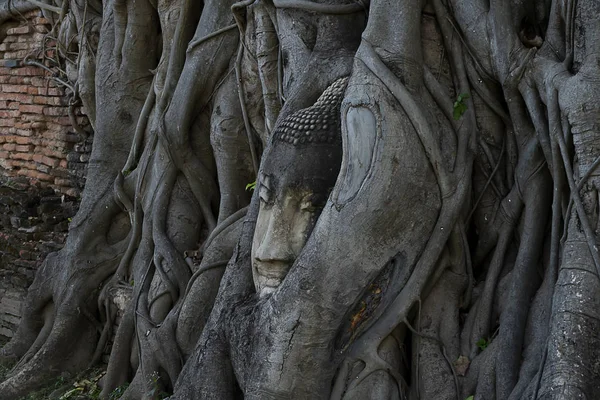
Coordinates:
[453,247]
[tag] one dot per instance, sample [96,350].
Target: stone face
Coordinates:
[43,163]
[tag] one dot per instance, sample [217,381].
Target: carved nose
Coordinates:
[275,246]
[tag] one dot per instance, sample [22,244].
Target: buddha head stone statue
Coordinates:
[297,175]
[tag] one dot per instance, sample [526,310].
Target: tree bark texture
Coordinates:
[328,199]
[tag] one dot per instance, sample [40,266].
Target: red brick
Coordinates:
[35,109]
[55,111]
[62,182]
[53,153]
[21,30]
[13,105]
[9,114]
[14,88]
[27,71]
[22,156]
[53,101]
[3,104]
[33,117]
[22,98]
[24,132]
[4,155]
[9,146]
[38,81]
[20,80]
[51,162]
[16,55]
[22,140]
[40,21]
[19,46]
[6,164]
[24,148]
[42,176]
[63,163]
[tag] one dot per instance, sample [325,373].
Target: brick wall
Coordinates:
[37,139]
[42,162]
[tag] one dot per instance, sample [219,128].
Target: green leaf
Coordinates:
[469,398]
[463,96]
[482,343]
[251,186]
[459,106]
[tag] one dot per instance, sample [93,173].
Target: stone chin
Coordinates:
[267,278]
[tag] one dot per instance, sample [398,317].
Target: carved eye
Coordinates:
[265,194]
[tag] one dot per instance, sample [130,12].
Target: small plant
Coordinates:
[118,392]
[251,186]
[459,106]
[469,398]
[156,390]
[482,344]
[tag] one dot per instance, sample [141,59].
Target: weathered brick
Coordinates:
[52,101]
[22,156]
[38,81]
[24,132]
[40,21]
[18,46]
[56,111]
[22,140]
[31,108]
[9,113]
[25,148]
[42,176]
[27,72]
[21,30]
[6,88]
[20,80]
[51,162]
[63,182]
[21,98]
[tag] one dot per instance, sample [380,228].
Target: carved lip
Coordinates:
[272,269]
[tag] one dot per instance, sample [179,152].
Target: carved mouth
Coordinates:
[271,274]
